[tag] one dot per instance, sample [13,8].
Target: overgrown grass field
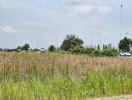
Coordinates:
[51,76]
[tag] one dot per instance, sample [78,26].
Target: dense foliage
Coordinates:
[70,42]
[24,47]
[74,45]
[93,52]
[125,44]
[110,52]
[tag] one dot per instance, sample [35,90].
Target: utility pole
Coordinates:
[57,29]
[100,45]
[121,17]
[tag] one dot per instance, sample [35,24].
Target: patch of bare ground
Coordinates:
[123,97]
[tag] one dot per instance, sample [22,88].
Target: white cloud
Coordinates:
[7,29]
[103,9]
[82,9]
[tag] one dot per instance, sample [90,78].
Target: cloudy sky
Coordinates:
[44,22]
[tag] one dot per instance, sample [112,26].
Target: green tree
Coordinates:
[125,44]
[98,47]
[70,42]
[52,48]
[105,46]
[109,46]
[25,47]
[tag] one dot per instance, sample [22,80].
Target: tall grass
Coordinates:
[50,76]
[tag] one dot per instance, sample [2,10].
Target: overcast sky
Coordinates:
[44,22]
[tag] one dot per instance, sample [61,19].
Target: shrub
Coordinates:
[110,52]
[90,50]
[78,50]
[97,53]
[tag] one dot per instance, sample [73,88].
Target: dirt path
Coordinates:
[123,97]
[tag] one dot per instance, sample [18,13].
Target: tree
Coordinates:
[52,48]
[70,42]
[109,46]
[105,47]
[25,47]
[98,47]
[125,44]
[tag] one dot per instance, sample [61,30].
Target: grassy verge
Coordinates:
[32,76]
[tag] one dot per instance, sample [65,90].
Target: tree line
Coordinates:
[74,45]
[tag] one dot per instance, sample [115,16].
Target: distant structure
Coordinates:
[121,16]
[42,50]
[122,22]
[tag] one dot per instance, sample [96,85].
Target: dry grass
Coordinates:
[47,76]
[46,64]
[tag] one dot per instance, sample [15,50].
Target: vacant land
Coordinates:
[50,76]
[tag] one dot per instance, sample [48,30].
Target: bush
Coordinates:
[90,50]
[97,53]
[78,50]
[109,52]
[93,52]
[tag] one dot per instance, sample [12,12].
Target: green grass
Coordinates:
[32,76]
[95,84]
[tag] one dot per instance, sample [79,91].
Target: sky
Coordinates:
[42,23]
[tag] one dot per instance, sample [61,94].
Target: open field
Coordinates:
[50,76]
